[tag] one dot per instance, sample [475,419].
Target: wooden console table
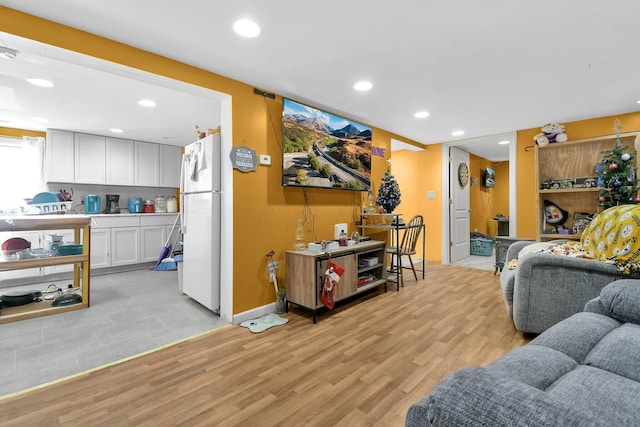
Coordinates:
[364,264]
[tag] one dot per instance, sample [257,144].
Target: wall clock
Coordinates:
[463,174]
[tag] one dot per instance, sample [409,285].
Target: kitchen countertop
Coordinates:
[134,214]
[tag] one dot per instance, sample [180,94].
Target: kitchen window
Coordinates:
[21,171]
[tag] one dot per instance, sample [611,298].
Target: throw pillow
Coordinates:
[613,236]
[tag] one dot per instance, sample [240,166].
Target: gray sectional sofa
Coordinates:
[583,371]
[546,288]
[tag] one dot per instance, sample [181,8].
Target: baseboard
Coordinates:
[254,313]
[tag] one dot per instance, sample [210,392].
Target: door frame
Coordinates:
[446,220]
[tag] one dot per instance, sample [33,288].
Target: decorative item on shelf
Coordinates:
[554,215]
[552,132]
[617,175]
[388,193]
[587,182]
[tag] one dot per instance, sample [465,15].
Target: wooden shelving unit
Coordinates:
[571,160]
[82,235]
[305,273]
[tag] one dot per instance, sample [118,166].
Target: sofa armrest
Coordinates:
[619,300]
[474,396]
[515,248]
[549,288]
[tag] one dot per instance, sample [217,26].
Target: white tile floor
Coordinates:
[130,313]
[481,262]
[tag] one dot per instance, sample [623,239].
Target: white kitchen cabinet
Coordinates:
[125,246]
[147,164]
[170,160]
[60,156]
[100,247]
[119,161]
[154,231]
[152,240]
[90,159]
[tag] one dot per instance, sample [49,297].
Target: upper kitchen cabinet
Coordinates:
[120,161]
[170,159]
[59,156]
[90,159]
[147,161]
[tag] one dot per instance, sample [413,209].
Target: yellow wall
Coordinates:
[526,191]
[265,214]
[417,173]
[486,203]
[19,133]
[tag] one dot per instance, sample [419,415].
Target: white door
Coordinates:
[459,206]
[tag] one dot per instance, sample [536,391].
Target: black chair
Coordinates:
[407,247]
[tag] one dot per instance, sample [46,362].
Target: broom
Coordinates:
[164,252]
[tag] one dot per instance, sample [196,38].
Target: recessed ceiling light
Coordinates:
[363,85]
[40,119]
[40,82]
[421,114]
[146,102]
[457,133]
[246,28]
[503,142]
[638,101]
[116,130]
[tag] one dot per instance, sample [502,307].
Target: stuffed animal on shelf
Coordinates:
[552,132]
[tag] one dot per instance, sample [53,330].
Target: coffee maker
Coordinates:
[112,204]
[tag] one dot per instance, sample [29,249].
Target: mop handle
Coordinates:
[172,228]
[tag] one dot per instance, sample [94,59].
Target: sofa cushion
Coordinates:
[618,352]
[599,393]
[578,335]
[611,236]
[533,365]
[621,299]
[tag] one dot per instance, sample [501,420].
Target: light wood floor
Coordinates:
[363,364]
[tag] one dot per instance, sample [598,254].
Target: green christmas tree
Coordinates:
[617,176]
[389,192]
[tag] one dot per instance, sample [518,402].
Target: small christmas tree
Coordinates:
[389,192]
[617,176]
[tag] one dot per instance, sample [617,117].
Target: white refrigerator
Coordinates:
[200,220]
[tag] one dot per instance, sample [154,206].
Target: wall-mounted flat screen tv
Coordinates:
[489,177]
[320,149]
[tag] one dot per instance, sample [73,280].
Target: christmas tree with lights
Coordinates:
[389,192]
[617,177]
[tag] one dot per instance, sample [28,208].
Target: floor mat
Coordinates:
[263,323]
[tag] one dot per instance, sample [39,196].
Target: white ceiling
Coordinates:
[487,68]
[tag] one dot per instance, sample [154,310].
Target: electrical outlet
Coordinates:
[339,228]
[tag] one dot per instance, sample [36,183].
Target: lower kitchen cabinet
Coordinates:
[125,246]
[100,247]
[364,269]
[121,240]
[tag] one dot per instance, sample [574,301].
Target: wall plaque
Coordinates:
[244,158]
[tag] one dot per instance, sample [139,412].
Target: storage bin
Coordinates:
[481,247]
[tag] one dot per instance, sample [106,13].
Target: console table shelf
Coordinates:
[82,235]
